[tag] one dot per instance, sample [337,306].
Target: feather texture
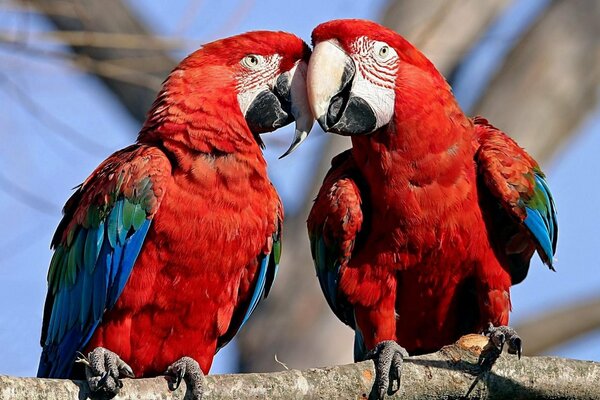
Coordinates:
[169,246]
[420,229]
[88,273]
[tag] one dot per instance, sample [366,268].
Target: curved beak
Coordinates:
[285,102]
[330,79]
[299,107]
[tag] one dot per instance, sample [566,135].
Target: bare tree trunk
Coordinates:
[549,82]
[443,30]
[452,373]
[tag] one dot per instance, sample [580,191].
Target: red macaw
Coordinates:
[170,244]
[421,228]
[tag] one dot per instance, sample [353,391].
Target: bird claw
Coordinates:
[388,357]
[103,369]
[187,369]
[501,335]
[176,376]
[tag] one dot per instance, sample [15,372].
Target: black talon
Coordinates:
[388,357]
[516,346]
[102,382]
[103,369]
[505,335]
[186,369]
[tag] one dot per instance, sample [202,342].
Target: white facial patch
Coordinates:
[375,80]
[256,78]
[380,98]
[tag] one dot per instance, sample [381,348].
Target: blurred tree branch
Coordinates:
[453,372]
[543,332]
[550,81]
[134,71]
[111,40]
[443,30]
[111,17]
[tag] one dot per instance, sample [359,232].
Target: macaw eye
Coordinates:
[382,51]
[252,61]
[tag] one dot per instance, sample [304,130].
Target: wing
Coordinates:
[268,265]
[95,248]
[517,184]
[334,223]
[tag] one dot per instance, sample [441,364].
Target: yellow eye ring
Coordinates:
[384,51]
[251,61]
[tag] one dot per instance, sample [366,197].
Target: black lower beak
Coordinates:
[348,114]
[268,112]
[356,118]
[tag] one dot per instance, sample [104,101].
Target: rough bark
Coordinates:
[453,372]
[113,17]
[550,81]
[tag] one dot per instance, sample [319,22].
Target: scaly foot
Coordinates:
[500,335]
[102,370]
[388,357]
[187,369]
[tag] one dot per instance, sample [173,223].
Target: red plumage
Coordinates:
[422,221]
[215,216]
[194,277]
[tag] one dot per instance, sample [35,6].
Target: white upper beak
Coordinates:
[300,106]
[325,74]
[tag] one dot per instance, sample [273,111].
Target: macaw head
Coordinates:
[361,73]
[256,79]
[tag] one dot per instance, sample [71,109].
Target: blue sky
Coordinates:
[62,101]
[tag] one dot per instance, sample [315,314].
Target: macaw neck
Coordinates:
[190,124]
[428,142]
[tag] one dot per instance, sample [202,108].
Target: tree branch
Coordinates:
[549,82]
[438,28]
[112,17]
[559,325]
[111,40]
[453,372]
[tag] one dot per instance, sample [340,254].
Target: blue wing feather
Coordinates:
[541,219]
[360,348]
[327,272]
[259,288]
[108,254]
[130,253]
[328,267]
[535,223]
[265,275]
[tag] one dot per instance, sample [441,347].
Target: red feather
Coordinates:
[213,219]
[438,214]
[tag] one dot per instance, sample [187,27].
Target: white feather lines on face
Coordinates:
[258,73]
[377,61]
[375,81]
